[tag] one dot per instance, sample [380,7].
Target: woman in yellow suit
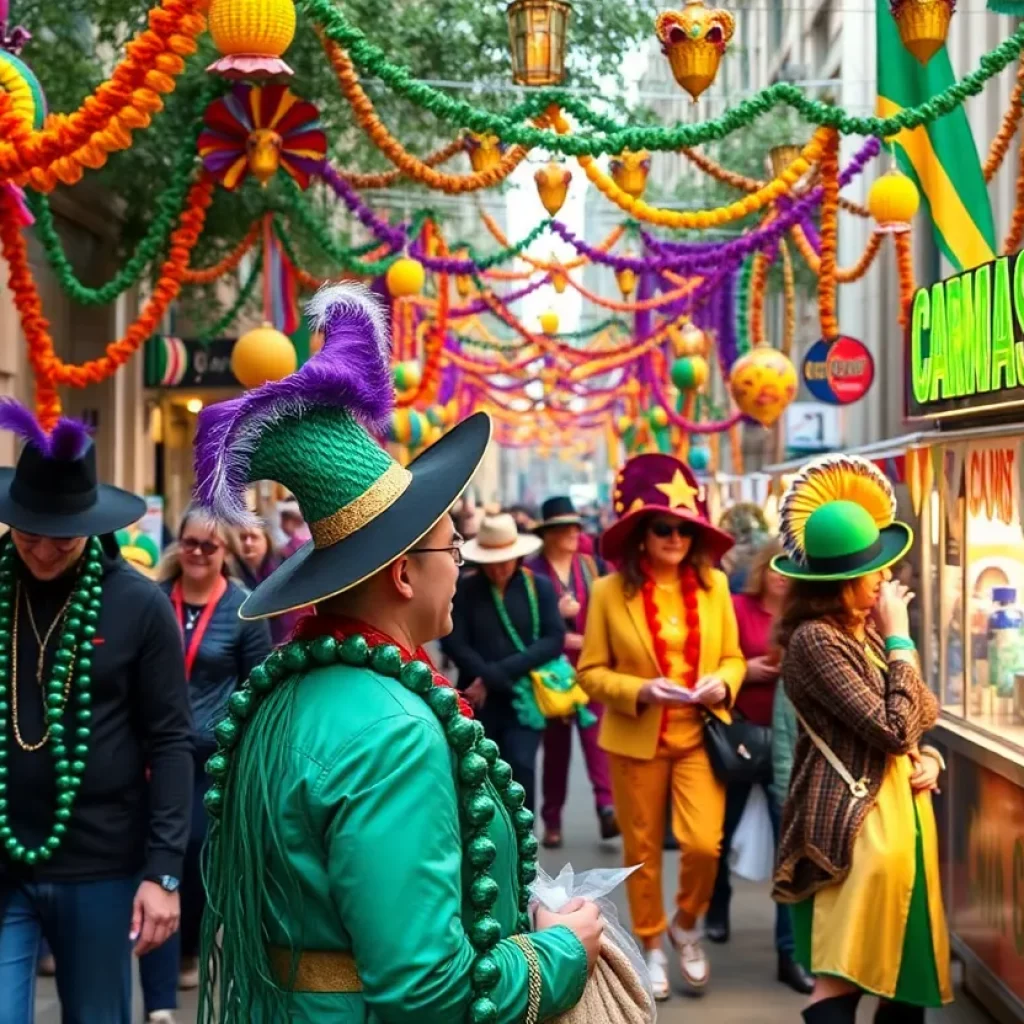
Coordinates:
[660,648]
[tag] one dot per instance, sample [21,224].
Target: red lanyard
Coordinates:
[219,590]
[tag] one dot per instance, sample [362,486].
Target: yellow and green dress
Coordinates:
[883,928]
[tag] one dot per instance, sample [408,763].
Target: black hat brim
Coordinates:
[113,509]
[896,539]
[314,574]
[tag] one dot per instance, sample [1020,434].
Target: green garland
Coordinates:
[517,343]
[217,329]
[248,756]
[614,138]
[742,306]
[70,675]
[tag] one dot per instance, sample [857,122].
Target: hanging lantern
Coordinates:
[537,31]
[893,200]
[405,277]
[549,322]
[780,157]
[923,25]
[626,280]
[694,40]
[558,277]
[251,36]
[262,355]
[407,375]
[484,150]
[553,186]
[689,373]
[629,171]
[763,383]
[693,341]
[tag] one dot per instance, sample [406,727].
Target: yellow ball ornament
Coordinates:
[659,417]
[405,277]
[262,355]
[549,322]
[622,424]
[408,375]
[893,200]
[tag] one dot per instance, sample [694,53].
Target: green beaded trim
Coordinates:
[74,655]
[480,772]
[506,622]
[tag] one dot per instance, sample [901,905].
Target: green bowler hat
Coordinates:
[315,432]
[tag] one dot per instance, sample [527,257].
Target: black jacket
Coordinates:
[121,824]
[478,643]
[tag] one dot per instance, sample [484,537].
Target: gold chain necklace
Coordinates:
[43,642]
[18,738]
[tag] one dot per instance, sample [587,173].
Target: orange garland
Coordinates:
[207,275]
[844,275]
[1007,129]
[829,235]
[430,379]
[1016,231]
[905,272]
[105,120]
[50,370]
[385,179]
[408,164]
[758,280]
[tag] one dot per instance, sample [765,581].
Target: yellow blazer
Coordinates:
[618,657]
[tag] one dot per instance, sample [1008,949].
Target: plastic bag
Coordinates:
[596,885]
[753,844]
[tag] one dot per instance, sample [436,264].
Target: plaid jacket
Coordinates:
[864,715]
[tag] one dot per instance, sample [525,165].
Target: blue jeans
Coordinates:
[86,925]
[735,801]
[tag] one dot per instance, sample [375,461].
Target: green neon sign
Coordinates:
[965,342]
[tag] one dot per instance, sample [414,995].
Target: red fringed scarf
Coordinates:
[341,627]
[691,646]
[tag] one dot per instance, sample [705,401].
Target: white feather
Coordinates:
[348,295]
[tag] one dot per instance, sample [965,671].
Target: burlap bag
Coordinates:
[614,994]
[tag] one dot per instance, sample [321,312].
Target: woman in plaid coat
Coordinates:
[858,856]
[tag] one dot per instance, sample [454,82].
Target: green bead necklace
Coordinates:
[485,781]
[73,661]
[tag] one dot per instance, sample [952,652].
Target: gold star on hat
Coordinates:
[679,492]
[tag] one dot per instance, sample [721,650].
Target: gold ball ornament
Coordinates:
[659,417]
[251,36]
[763,383]
[553,186]
[629,171]
[622,424]
[923,25]
[893,200]
[261,355]
[693,341]
[549,322]
[694,40]
[405,277]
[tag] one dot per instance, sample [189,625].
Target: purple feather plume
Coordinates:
[69,440]
[352,372]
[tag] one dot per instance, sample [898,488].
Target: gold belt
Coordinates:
[318,970]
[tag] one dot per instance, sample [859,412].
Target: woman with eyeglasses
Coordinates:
[255,559]
[220,651]
[661,651]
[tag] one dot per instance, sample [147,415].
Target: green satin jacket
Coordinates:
[372,863]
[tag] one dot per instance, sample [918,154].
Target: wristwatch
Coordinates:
[166,882]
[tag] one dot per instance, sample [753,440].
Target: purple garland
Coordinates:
[395,237]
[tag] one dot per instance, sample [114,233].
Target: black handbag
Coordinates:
[739,752]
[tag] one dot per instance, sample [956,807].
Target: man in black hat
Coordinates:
[95,748]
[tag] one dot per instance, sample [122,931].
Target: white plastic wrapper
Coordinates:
[596,885]
[753,843]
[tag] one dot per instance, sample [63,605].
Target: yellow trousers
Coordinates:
[641,792]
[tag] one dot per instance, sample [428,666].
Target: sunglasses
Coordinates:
[194,546]
[665,530]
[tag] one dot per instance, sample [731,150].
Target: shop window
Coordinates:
[947,522]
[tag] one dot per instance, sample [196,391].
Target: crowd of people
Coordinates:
[248,772]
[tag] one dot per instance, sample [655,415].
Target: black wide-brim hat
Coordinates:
[61,498]
[558,511]
[438,478]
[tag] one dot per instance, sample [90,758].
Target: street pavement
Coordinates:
[743,988]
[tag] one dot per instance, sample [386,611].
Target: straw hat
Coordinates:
[499,540]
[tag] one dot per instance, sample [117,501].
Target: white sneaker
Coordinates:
[693,961]
[657,968]
[161,1017]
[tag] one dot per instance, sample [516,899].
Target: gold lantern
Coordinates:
[629,171]
[251,36]
[537,32]
[893,200]
[694,40]
[625,278]
[484,150]
[923,25]
[782,156]
[552,186]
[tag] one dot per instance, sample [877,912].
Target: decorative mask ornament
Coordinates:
[484,151]
[694,40]
[763,383]
[553,186]
[259,130]
[629,171]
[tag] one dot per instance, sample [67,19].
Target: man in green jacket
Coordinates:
[370,856]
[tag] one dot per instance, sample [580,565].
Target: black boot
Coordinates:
[716,922]
[899,1013]
[837,1010]
[793,974]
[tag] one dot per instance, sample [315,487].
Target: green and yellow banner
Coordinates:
[940,156]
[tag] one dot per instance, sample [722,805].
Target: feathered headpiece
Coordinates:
[833,478]
[349,380]
[69,439]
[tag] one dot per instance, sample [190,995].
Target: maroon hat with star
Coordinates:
[659,484]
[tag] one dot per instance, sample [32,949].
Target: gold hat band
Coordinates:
[381,495]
